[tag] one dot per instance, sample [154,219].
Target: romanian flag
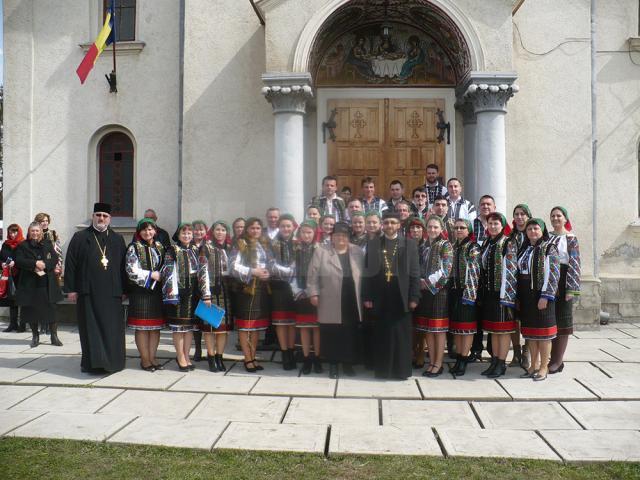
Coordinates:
[105,37]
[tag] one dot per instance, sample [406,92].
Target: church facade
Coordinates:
[227,107]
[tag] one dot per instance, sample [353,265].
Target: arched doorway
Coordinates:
[386,72]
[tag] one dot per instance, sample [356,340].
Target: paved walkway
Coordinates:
[590,412]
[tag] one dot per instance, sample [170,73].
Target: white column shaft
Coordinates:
[491,176]
[470,171]
[289,168]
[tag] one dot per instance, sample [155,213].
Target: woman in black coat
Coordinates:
[7,258]
[37,290]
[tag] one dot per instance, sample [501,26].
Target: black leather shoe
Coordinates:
[492,367]
[219,365]
[306,366]
[461,369]
[53,328]
[557,370]
[500,370]
[181,368]
[317,365]
[475,356]
[13,327]
[333,370]
[212,363]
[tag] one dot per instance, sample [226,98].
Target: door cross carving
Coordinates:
[358,123]
[415,123]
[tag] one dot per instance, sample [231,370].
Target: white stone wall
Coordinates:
[228,125]
[549,119]
[51,120]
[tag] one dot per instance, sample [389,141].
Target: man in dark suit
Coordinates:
[391,290]
[162,235]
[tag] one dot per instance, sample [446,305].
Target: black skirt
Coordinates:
[464,317]
[283,310]
[181,316]
[253,306]
[306,314]
[145,310]
[535,324]
[40,312]
[494,315]
[340,341]
[564,308]
[432,313]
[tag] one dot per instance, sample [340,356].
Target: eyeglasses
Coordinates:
[419,196]
[101,215]
[459,228]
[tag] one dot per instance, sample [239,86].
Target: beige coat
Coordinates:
[325,280]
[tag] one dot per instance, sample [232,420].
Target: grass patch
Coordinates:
[67,459]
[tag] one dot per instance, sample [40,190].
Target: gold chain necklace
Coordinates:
[104,260]
[387,261]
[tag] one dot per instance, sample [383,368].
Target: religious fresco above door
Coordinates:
[385,54]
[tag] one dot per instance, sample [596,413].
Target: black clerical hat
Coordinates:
[102,207]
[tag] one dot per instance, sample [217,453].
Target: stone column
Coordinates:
[288,94]
[489,93]
[470,171]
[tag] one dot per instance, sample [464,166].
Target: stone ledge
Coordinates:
[122,48]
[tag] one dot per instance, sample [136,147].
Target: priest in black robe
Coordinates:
[94,278]
[391,290]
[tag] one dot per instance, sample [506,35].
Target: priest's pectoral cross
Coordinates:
[388,275]
[104,261]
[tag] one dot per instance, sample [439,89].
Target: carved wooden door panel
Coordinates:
[385,139]
[412,141]
[358,151]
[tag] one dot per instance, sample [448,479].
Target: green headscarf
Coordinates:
[524,207]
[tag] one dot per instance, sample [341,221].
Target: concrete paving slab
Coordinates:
[15,345]
[524,416]
[629,342]
[134,377]
[595,445]
[12,394]
[463,388]
[376,388]
[10,420]
[581,369]
[170,432]
[333,411]
[270,370]
[623,354]
[495,443]
[383,440]
[618,369]
[59,370]
[264,436]
[296,387]
[13,335]
[608,333]
[553,388]
[74,426]
[69,399]
[429,413]
[618,415]
[633,332]
[15,360]
[15,374]
[589,350]
[67,348]
[154,404]
[205,381]
[619,388]
[241,408]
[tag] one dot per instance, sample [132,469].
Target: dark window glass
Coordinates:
[125,19]
[116,173]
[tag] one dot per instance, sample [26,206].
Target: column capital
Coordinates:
[489,91]
[287,92]
[467,110]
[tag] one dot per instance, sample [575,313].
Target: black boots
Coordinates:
[212,363]
[35,336]
[219,365]
[333,370]
[13,320]
[317,366]
[197,337]
[492,367]
[461,366]
[500,370]
[306,366]
[288,359]
[53,328]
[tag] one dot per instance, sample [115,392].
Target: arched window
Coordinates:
[125,19]
[116,173]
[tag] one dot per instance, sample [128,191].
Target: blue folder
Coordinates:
[212,315]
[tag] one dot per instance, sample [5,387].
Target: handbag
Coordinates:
[212,315]
[5,282]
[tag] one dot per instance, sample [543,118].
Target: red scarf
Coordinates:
[13,243]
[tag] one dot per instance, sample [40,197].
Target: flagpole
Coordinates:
[113,84]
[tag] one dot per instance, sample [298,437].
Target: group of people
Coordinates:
[358,280]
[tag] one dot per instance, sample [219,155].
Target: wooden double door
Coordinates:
[385,139]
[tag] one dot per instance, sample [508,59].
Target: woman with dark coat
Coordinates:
[8,257]
[38,290]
